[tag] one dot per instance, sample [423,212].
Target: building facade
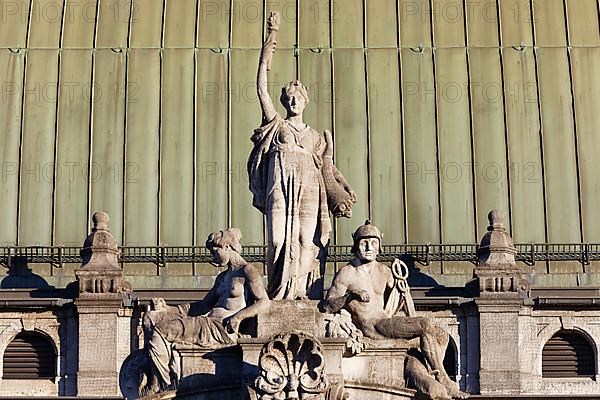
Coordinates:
[440,109]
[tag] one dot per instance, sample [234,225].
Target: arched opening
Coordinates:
[451,360]
[568,354]
[30,355]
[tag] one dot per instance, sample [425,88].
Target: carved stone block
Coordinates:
[378,371]
[283,315]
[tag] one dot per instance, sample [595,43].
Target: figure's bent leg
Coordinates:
[433,344]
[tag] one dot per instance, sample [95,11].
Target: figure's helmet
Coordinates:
[367,230]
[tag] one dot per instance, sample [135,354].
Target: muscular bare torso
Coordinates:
[373,278]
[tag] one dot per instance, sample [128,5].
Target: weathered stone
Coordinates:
[497,273]
[100,274]
[213,323]
[292,366]
[292,178]
[360,288]
[103,321]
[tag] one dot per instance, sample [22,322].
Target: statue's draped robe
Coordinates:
[287,185]
[174,326]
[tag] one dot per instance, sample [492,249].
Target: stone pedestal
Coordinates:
[104,323]
[499,346]
[285,315]
[104,343]
[378,372]
[333,349]
[215,371]
[499,288]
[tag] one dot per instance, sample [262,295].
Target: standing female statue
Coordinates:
[294,183]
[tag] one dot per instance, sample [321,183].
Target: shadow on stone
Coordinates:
[417,278]
[20,276]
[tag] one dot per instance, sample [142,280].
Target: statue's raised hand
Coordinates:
[270,44]
[273,22]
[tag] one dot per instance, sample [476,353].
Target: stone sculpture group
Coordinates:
[295,184]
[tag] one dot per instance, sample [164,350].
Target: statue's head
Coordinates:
[367,242]
[223,244]
[294,97]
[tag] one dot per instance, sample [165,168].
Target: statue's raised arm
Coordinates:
[264,65]
[294,184]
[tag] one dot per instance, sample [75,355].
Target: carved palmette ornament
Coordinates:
[292,367]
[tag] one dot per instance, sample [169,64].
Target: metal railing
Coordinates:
[421,253]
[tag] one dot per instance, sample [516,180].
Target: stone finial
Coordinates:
[100,272]
[497,272]
[496,220]
[496,249]
[100,220]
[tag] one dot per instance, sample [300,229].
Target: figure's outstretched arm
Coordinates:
[264,65]
[258,293]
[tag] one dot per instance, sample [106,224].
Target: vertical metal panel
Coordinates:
[177,148]
[79,24]
[418,91]
[108,136]
[213,23]
[146,23]
[583,22]
[559,146]
[549,20]
[482,22]
[247,24]
[142,148]
[180,23]
[315,74]
[386,150]
[382,23]
[350,134]
[71,188]
[12,69]
[455,149]
[516,18]
[46,22]
[523,128]
[415,23]
[245,117]
[211,144]
[286,37]
[449,23]
[314,18]
[37,152]
[586,64]
[491,171]
[113,18]
[347,23]
[13,29]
